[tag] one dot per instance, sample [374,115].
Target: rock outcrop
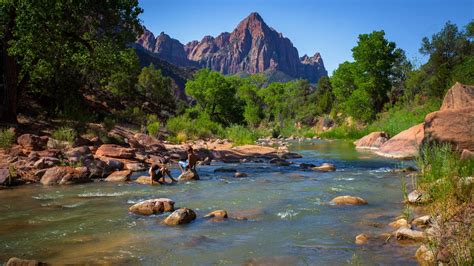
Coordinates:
[404,145]
[119,176]
[64,175]
[253,47]
[373,141]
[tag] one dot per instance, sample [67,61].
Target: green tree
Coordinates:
[324,96]
[216,96]
[156,87]
[247,91]
[343,81]
[360,106]
[60,47]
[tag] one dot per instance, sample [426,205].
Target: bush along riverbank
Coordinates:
[444,190]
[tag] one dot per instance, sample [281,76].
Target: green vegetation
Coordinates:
[64,134]
[7,138]
[448,181]
[241,135]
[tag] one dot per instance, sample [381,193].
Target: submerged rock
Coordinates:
[180,216]
[349,200]
[307,165]
[325,167]
[152,206]
[279,162]
[119,176]
[189,175]
[361,239]
[217,214]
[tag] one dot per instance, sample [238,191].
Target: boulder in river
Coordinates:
[372,141]
[189,175]
[217,214]
[119,176]
[152,206]
[349,200]
[115,151]
[180,216]
[361,239]
[425,256]
[306,165]
[404,145]
[64,175]
[325,167]
[145,180]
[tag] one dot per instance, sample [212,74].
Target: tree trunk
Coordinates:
[8,110]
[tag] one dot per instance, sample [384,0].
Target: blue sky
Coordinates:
[330,27]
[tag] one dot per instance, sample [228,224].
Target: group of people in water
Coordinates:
[159,171]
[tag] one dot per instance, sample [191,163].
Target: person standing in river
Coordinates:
[158,174]
[190,163]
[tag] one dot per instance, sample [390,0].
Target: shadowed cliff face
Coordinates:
[253,47]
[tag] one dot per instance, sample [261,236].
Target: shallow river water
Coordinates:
[290,219]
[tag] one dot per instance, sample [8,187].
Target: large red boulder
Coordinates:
[404,145]
[372,141]
[458,97]
[454,122]
[454,126]
[115,151]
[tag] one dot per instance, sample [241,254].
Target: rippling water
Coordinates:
[290,219]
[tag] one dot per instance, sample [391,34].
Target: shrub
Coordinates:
[7,137]
[64,134]
[153,128]
[344,132]
[109,123]
[201,127]
[241,135]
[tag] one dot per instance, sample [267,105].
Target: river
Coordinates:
[290,218]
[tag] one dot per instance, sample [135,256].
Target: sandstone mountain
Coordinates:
[253,47]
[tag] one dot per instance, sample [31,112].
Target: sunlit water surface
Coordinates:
[290,218]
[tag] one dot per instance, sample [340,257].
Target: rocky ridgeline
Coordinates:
[453,124]
[41,159]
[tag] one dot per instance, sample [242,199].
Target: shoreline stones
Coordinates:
[64,175]
[325,167]
[372,141]
[180,216]
[407,233]
[418,197]
[422,221]
[145,180]
[152,206]
[399,223]
[425,256]
[349,200]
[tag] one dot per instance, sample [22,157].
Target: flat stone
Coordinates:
[407,233]
[422,221]
[217,213]
[399,223]
[188,176]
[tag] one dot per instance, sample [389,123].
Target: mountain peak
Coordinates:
[252,22]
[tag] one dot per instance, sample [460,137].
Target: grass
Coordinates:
[7,138]
[443,176]
[184,128]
